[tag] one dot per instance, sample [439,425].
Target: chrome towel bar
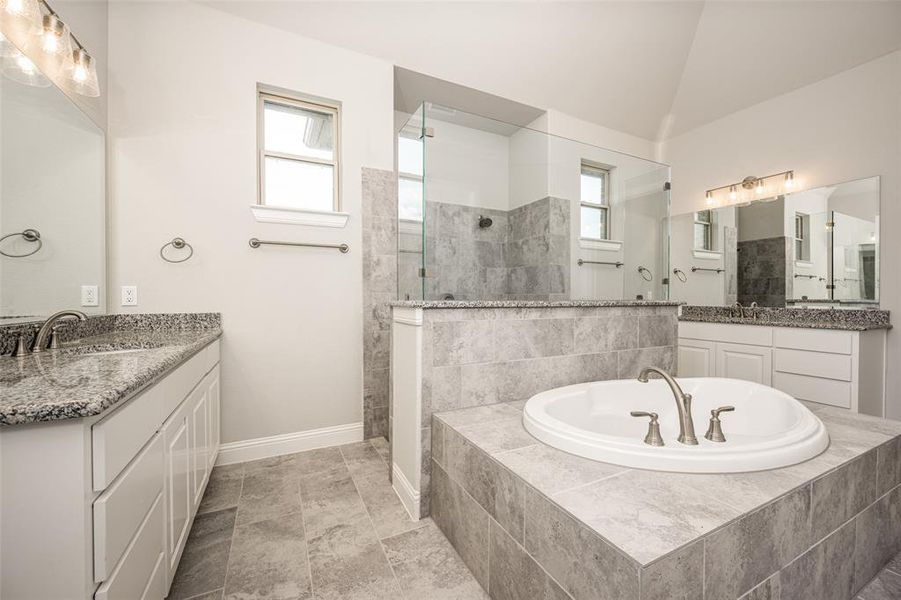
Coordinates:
[696,269]
[581,262]
[256,243]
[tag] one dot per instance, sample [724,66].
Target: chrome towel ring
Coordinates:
[645,273]
[680,274]
[177,243]
[29,235]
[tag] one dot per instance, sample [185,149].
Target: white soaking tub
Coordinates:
[768,429]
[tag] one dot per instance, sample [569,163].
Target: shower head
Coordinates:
[485,222]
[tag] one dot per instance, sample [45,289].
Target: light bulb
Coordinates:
[789,180]
[82,74]
[759,188]
[709,198]
[55,38]
[732,193]
[15,7]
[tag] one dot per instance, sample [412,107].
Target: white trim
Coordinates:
[288,443]
[806,264]
[707,254]
[409,497]
[408,316]
[606,245]
[298,216]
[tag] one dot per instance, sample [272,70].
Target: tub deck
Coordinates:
[529,517]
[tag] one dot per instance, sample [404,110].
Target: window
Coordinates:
[409,182]
[802,243]
[595,221]
[704,230]
[298,153]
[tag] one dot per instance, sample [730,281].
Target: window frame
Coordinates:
[294,100]
[802,222]
[708,230]
[603,206]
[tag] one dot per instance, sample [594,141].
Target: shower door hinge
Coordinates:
[422,272]
[830,286]
[667,186]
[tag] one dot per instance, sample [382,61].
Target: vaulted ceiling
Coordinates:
[652,69]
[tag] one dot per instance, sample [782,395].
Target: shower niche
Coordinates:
[488,210]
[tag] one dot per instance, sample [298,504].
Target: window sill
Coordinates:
[606,245]
[707,254]
[804,264]
[298,216]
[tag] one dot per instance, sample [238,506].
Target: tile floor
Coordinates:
[325,524]
[317,525]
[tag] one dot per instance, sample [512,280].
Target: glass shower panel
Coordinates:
[645,210]
[854,271]
[411,207]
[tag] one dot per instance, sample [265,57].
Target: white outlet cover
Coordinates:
[129,295]
[90,295]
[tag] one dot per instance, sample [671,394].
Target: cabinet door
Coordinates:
[697,358]
[199,422]
[177,490]
[214,412]
[751,363]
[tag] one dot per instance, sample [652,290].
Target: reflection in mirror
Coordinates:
[52,205]
[817,247]
[493,211]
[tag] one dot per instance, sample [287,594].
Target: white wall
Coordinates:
[467,166]
[839,129]
[182,101]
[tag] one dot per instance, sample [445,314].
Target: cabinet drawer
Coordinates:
[139,565]
[117,438]
[119,510]
[836,342]
[814,389]
[815,364]
[755,335]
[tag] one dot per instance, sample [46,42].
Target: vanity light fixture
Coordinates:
[21,16]
[775,185]
[82,74]
[55,38]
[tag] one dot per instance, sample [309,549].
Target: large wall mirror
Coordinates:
[817,247]
[52,205]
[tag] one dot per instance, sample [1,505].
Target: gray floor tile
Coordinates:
[381,446]
[427,566]
[214,595]
[223,489]
[388,514]
[266,494]
[362,459]
[269,560]
[205,557]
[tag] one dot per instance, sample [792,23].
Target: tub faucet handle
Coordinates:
[653,438]
[715,430]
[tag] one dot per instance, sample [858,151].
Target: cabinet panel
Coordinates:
[751,363]
[199,440]
[119,511]
[134,573]
[177,486]
[697,358]
[814,389]
[838,342]
[814,364]
[755,335]
[214,412]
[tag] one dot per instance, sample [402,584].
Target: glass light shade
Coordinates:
[21,16]
[709,198]
[54,41]
[759,189]
[19,68]
[81,74]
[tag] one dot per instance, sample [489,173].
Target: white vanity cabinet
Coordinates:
[101,507]
[836,367]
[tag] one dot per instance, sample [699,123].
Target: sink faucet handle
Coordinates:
[715,429]
[653,438]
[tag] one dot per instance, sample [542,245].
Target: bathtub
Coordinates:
[768,429]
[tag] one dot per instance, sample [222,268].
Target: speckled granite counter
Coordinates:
[527,303]
[72,382]
[809,318]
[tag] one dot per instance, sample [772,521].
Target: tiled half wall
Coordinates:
[483,356]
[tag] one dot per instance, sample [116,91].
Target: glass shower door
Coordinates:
[646,247]
[411,208]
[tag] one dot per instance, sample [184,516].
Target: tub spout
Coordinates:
[683,405]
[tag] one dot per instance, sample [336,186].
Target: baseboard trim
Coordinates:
[289,443]
[409,497]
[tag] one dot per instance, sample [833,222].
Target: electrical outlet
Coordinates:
[89,295]
[129,295]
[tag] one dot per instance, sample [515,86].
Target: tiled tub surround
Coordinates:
[810,318]
[449,358]
[531,521]
[379,205]
[71,383]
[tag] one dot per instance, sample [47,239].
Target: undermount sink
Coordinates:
[768,429]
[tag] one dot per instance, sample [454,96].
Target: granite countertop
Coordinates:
[807,318]
[527,303]
[71,383]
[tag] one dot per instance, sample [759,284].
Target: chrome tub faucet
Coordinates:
[683,405]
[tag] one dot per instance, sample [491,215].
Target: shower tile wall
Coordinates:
[379,199]
[764,275]
[523,255]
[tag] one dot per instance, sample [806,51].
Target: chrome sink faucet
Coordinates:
[683,404]
[48,328]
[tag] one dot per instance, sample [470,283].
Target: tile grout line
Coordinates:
[369,516]
[231,540]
